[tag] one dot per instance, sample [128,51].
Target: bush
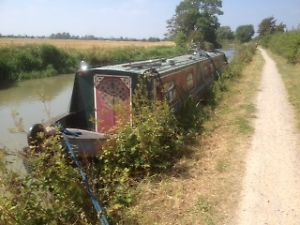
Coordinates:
[7,70]
[284,44]
[28,59]
[33,61]
[36,61]
[51,194]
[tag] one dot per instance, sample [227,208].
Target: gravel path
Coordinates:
[271,186]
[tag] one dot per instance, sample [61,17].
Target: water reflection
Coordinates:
[32,90]
[34,101]
[229,53]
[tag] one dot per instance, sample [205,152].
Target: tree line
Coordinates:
[195,22]
[66,35]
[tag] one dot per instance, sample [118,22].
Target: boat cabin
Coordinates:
[103,95]
[99,93]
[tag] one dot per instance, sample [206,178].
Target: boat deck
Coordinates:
[161,65]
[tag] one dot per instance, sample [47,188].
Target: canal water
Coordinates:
[229,53]
[29,102]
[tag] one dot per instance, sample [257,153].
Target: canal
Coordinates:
[29,102]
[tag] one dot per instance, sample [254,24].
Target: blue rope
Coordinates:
[96,204]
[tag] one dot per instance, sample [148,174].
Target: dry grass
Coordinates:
[204,186]
[81,44]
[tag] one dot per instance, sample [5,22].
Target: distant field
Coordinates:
[82,44]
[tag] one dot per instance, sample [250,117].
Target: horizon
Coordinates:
[133,19]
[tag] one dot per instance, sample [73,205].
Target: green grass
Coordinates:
[222,166]
[206,208]
[285,44]
[244,125]
[37,61]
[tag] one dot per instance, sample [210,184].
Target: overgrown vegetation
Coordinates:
[36,61]
[53,194]
[225,35]
[244,33]
[285,44]
[268,27]
[275,37]
[23,62]
[198,189]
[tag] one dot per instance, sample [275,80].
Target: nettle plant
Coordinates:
[51,193]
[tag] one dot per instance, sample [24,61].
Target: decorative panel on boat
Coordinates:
[112,101]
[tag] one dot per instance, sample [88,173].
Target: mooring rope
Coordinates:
[100,213]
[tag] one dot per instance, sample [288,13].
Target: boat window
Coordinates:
[189,81]
[170,91]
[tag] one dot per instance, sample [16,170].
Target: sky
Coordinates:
[128,18]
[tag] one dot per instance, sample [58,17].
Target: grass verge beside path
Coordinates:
[203,187]
[291,77]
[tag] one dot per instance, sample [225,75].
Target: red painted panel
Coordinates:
[112,102]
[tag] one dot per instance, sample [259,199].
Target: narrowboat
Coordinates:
[102,95]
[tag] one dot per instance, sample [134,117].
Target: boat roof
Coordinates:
[162,65]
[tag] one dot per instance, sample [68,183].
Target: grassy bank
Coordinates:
[285,44]
[37,61]
[149,172]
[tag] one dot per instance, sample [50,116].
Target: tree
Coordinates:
[196,20]
[268,26]
[224,33]
[63,35]
[180,40]
[244,33]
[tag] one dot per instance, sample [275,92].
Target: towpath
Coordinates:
[271,186]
